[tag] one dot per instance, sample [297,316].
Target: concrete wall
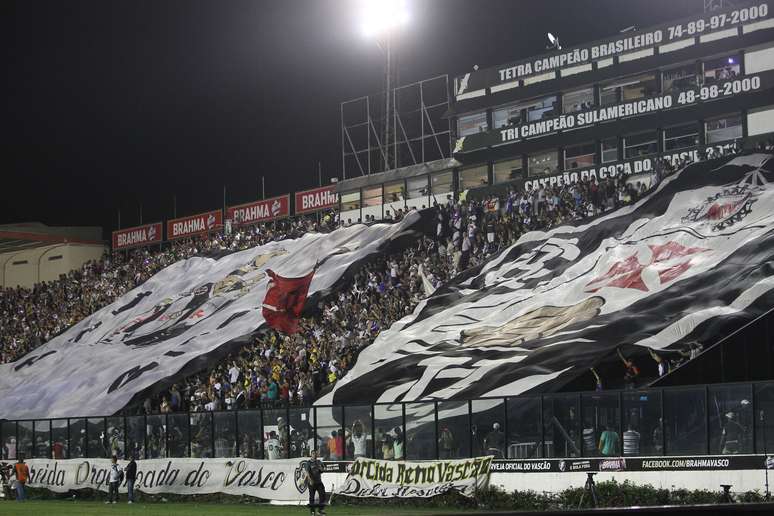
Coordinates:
[45,263]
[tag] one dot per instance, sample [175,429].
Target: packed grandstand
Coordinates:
[524,303]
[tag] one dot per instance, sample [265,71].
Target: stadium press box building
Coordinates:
[599,109]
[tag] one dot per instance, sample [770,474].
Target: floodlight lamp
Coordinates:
[380,16]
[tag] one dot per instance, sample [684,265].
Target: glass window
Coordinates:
[25,443]
[372,196]
[95,432]
[453,430]
[643,431]
[580,156]
[42,447]
[442,184]
[601,425]
[721,69]
[276,434]
[8,448]
[177,435]
[60,446]
[301,430]
[135,432]
[731,423]
[641,144]
[329,432]
[417,187]
[562,426]
[78,438]
[420,431]
[357,423]
[632,88]
[388,421]
[225,434]
[489,427]
[115,439]
[681,137]
[724,129]
[250,442]
[543,163]
[473,177]
[471,124]
[350,201]
[578,100]
[685,422]
[201,434]
[764,429]
[156,432]
[524,432]
[540,109]
[507,115]
[507,170]
[393,192]
[679,79]
[609,150]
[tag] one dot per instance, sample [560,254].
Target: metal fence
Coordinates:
[707,419]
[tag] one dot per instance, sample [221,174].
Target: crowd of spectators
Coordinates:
[29,317]
[276,368]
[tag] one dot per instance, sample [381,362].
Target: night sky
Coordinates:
[109,104]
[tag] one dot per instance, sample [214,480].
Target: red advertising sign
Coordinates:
[317,199]
[194,224]
[260,211]
[137,236]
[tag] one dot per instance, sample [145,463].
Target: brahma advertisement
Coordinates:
[194,224]
[322,198]
[260,211]
[137,236]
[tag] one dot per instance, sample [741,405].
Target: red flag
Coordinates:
[284,301]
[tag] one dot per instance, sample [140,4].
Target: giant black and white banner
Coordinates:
[677,266]
[269,480]
[372,478]
[176,322]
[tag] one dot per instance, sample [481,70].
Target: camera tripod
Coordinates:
[590,490]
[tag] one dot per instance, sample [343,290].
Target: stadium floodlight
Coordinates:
[383,16]
[553,41]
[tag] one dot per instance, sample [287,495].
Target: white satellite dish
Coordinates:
[554,41]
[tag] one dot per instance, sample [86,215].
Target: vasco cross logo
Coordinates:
[300,477]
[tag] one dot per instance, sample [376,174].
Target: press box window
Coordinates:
[543,163]
[540,109]
[417,187]
[641,144]
[505,171]
[372,196]
[507,115]
[679,79]
[393,192]
[632,88]
[350,201]
[716,70]
[441,183]
[579,100]
[472,124]
[579,156]
[681,137]
[724,129]
[473,177]
[609,150]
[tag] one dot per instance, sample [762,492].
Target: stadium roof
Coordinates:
[17,237]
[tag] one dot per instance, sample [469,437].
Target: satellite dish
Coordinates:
[554,41]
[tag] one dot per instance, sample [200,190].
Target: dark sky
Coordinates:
[108,104]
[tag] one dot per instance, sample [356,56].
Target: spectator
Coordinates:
[131,475]
[22,475]
[631,441]
[495,442]
[608,442]
[114,480]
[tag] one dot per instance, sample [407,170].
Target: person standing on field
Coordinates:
[22,475]
[131,475]
[313,469]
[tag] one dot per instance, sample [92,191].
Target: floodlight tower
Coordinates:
[381,20]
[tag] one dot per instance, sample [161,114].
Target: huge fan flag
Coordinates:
[677,266]
[182,320]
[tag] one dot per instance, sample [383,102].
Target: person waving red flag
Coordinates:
[285,300]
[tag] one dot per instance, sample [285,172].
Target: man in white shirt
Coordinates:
[115,477]
[359,440]
[233,373]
